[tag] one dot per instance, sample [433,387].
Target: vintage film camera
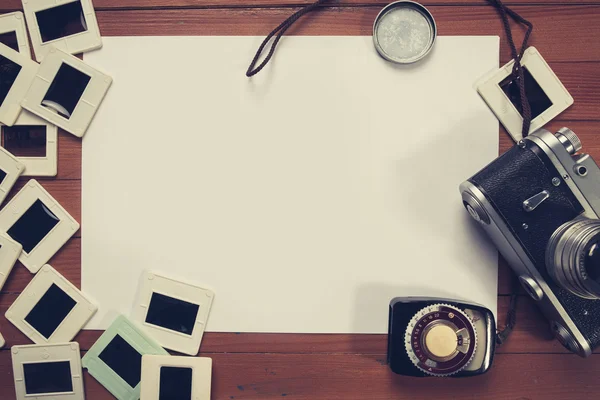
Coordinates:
[539,203]
[439,337]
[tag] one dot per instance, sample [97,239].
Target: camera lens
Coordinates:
[573,257]
[592,262]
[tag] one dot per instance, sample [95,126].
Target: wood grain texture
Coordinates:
[238,376]
[530,365]
[69,156]
[576,23]
[11,5]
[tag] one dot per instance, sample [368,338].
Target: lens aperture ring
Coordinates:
[566,257]
[557,258]
[575,239]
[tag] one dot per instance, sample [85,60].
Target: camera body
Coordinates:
[539,203]
[439,337]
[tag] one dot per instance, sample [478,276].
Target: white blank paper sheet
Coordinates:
[306,197]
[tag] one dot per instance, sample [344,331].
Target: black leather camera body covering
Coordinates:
[403,309]
[514,177]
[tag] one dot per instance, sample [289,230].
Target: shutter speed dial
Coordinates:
[440,340]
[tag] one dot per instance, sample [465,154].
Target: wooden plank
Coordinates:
[531,335]
[356,376]
[269,376]
[583,83]
[578,22]
[347,374]
[10,5]
[69,156]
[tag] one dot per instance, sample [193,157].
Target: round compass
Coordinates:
[440,340]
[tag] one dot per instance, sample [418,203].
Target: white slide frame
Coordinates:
[201,375]
[74,44]
[489,89]
[89,102]
[15,22]
[81,313]
[154,283]
[45,354]
[11,107]
[54,240]
[48,164]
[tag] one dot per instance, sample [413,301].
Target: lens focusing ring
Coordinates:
[566,254]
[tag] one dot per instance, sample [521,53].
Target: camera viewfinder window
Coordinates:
[50,311]
[10,39]
[9,71]
[124,360]
[2,176]
[170,313]
[25,140]
[61,21]
[33,226]
[48,377]
[538,100]
[175,383]
[66,90]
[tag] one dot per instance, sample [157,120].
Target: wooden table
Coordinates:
[531,365]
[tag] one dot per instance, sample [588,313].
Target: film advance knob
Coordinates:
[569,139]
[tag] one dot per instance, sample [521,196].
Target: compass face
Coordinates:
[440,340]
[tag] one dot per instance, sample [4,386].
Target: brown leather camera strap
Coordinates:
[517,72]
[511,315]
[278,33]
